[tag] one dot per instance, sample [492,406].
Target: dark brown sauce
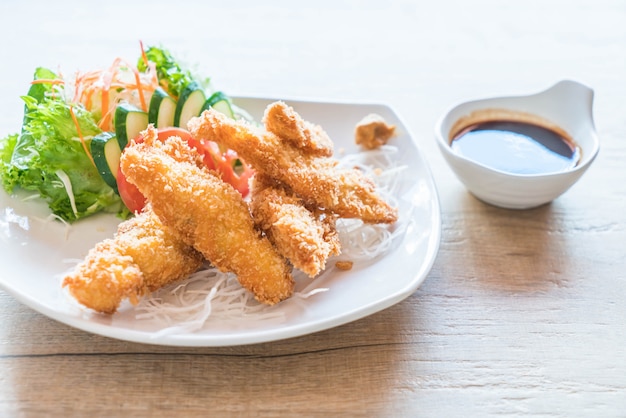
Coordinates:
[516,147]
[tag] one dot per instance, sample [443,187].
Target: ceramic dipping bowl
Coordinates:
[566,109]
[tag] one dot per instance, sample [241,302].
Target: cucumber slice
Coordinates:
[220,102]
[129,122]
[106,153]
[162,109]
[189,104]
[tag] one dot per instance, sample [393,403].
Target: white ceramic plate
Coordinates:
[35,254]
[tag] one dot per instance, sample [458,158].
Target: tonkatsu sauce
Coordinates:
[516,147]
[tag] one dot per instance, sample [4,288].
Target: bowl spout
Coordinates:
[570,88]
[576,97]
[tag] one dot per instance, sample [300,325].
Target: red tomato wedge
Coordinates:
[232,169]
[130,194]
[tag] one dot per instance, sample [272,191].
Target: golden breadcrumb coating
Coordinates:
[298,234]
[297,194]
[284,122]
[143,256]
[207,213]
[346,193]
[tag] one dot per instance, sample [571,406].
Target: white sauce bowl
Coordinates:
[567,105]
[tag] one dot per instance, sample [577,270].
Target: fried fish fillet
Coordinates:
[344,192]
[303,237]
[281,120]
[143,256]
[207,213]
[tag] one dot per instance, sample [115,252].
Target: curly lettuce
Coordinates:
[172,76]
[48,157]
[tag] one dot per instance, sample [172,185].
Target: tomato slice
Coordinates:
[134,200]
[232,169]
[237,172]
[130,194]
[164,133]
[213,158]
[185,135]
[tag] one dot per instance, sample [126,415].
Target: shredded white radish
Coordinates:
[186,307]
[210,296]
[68,188]
[360,241]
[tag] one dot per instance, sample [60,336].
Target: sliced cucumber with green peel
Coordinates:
[162,109]
[106,153]
[189,104]
[129,122]
[220,102]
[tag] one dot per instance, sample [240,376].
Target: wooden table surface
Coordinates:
[523,312]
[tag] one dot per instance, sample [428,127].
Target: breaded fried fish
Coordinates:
[143,256]
[283,121]
[207,213]
[346,193]
[303,237]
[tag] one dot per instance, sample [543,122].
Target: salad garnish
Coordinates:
[74,130]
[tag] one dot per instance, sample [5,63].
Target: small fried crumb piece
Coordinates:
[344,265]
[373,131]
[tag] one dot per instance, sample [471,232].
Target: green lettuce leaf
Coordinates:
[48,156]
[7,145]
[172,76]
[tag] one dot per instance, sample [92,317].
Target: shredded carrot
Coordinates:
[107,79]
[87,101]
[83,95]
[80,135]
[142,99]
[104,121]
[143,54]
[114,85]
